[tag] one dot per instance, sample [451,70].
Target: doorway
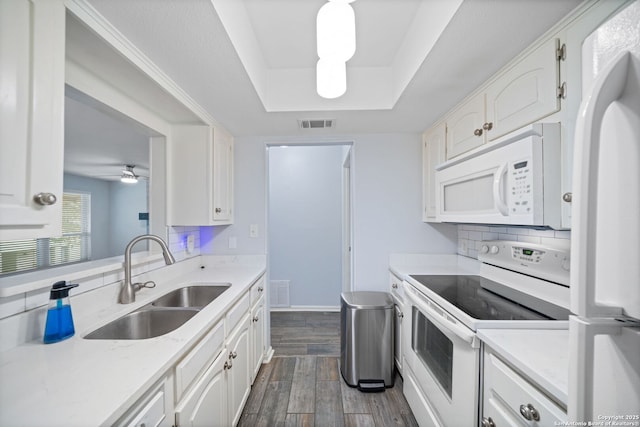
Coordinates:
[309,225]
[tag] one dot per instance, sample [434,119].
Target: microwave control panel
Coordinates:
[520,187]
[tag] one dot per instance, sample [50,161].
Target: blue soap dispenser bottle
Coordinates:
[59,324]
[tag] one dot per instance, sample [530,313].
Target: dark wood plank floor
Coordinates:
[302,385]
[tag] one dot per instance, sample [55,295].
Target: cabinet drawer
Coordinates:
[150,413]
[507,389]
[235,314]
[197,360]
[257,290]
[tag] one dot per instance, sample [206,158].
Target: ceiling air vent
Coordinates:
[316,123]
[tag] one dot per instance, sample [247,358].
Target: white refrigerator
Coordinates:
[604,376]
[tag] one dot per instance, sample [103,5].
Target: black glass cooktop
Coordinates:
[485,299]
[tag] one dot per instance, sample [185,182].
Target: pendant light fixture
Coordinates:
[336,44]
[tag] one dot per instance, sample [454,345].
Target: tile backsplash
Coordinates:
[470,237]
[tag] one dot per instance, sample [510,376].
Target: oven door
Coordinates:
[443,356]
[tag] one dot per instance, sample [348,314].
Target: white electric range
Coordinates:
[519,286]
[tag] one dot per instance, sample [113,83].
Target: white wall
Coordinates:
[387,200]
[305,222]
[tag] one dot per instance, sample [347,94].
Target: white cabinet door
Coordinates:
[258,317]
[464,127]
[525,93]
[509,397]
[200,176]
[206,404]
[433,148]
[32,43]
[222,176]
[238,375]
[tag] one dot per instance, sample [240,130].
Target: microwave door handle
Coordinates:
[498,179]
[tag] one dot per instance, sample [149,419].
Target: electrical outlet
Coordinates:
[253,230]
[233,242]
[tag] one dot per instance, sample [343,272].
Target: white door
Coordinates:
[222,176]
[432,155]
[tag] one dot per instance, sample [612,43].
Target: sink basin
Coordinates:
[143,323]
[162,315]
[195,296]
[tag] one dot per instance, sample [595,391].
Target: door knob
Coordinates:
[45,199]
[477,132]
[218,210]
[529,412]
[567,197]
[487,126]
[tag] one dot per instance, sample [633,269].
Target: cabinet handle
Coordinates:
[529,412]
[233,355]
[394,286]
[567,197]
[255,319]
[45,199]
[487,126]
[228,365]
[488,422]
[477,132]
[218,210]
[260,289]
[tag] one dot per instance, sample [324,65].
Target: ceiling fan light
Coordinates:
[331,78]
[128,177]
[336,31]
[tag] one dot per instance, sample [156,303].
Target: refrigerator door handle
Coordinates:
[607,88]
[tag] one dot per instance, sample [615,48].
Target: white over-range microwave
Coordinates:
[514,180]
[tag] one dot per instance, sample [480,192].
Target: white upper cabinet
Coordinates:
[522,94]
[32,46]
[222,176]
[525,93]
[464,127]
[200,176]
[433,147]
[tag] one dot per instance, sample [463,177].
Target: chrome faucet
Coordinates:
[128,289]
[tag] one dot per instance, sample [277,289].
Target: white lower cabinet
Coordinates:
[206,404]
[238,377]
[258,327]
[509,399]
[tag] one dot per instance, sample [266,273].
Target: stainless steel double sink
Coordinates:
[161,316]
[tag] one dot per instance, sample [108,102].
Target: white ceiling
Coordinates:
[188,40]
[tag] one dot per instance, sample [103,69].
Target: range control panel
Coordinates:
[529,258]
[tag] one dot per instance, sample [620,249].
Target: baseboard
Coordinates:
[332,308]
[268,355]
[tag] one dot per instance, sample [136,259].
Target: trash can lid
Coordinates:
[367,299]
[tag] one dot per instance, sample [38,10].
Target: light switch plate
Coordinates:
[233,242]
[253,230]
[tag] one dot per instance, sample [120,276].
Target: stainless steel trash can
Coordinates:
[366,340]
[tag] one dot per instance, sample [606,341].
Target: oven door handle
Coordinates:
[456,328]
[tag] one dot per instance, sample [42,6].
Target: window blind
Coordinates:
[73,246]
